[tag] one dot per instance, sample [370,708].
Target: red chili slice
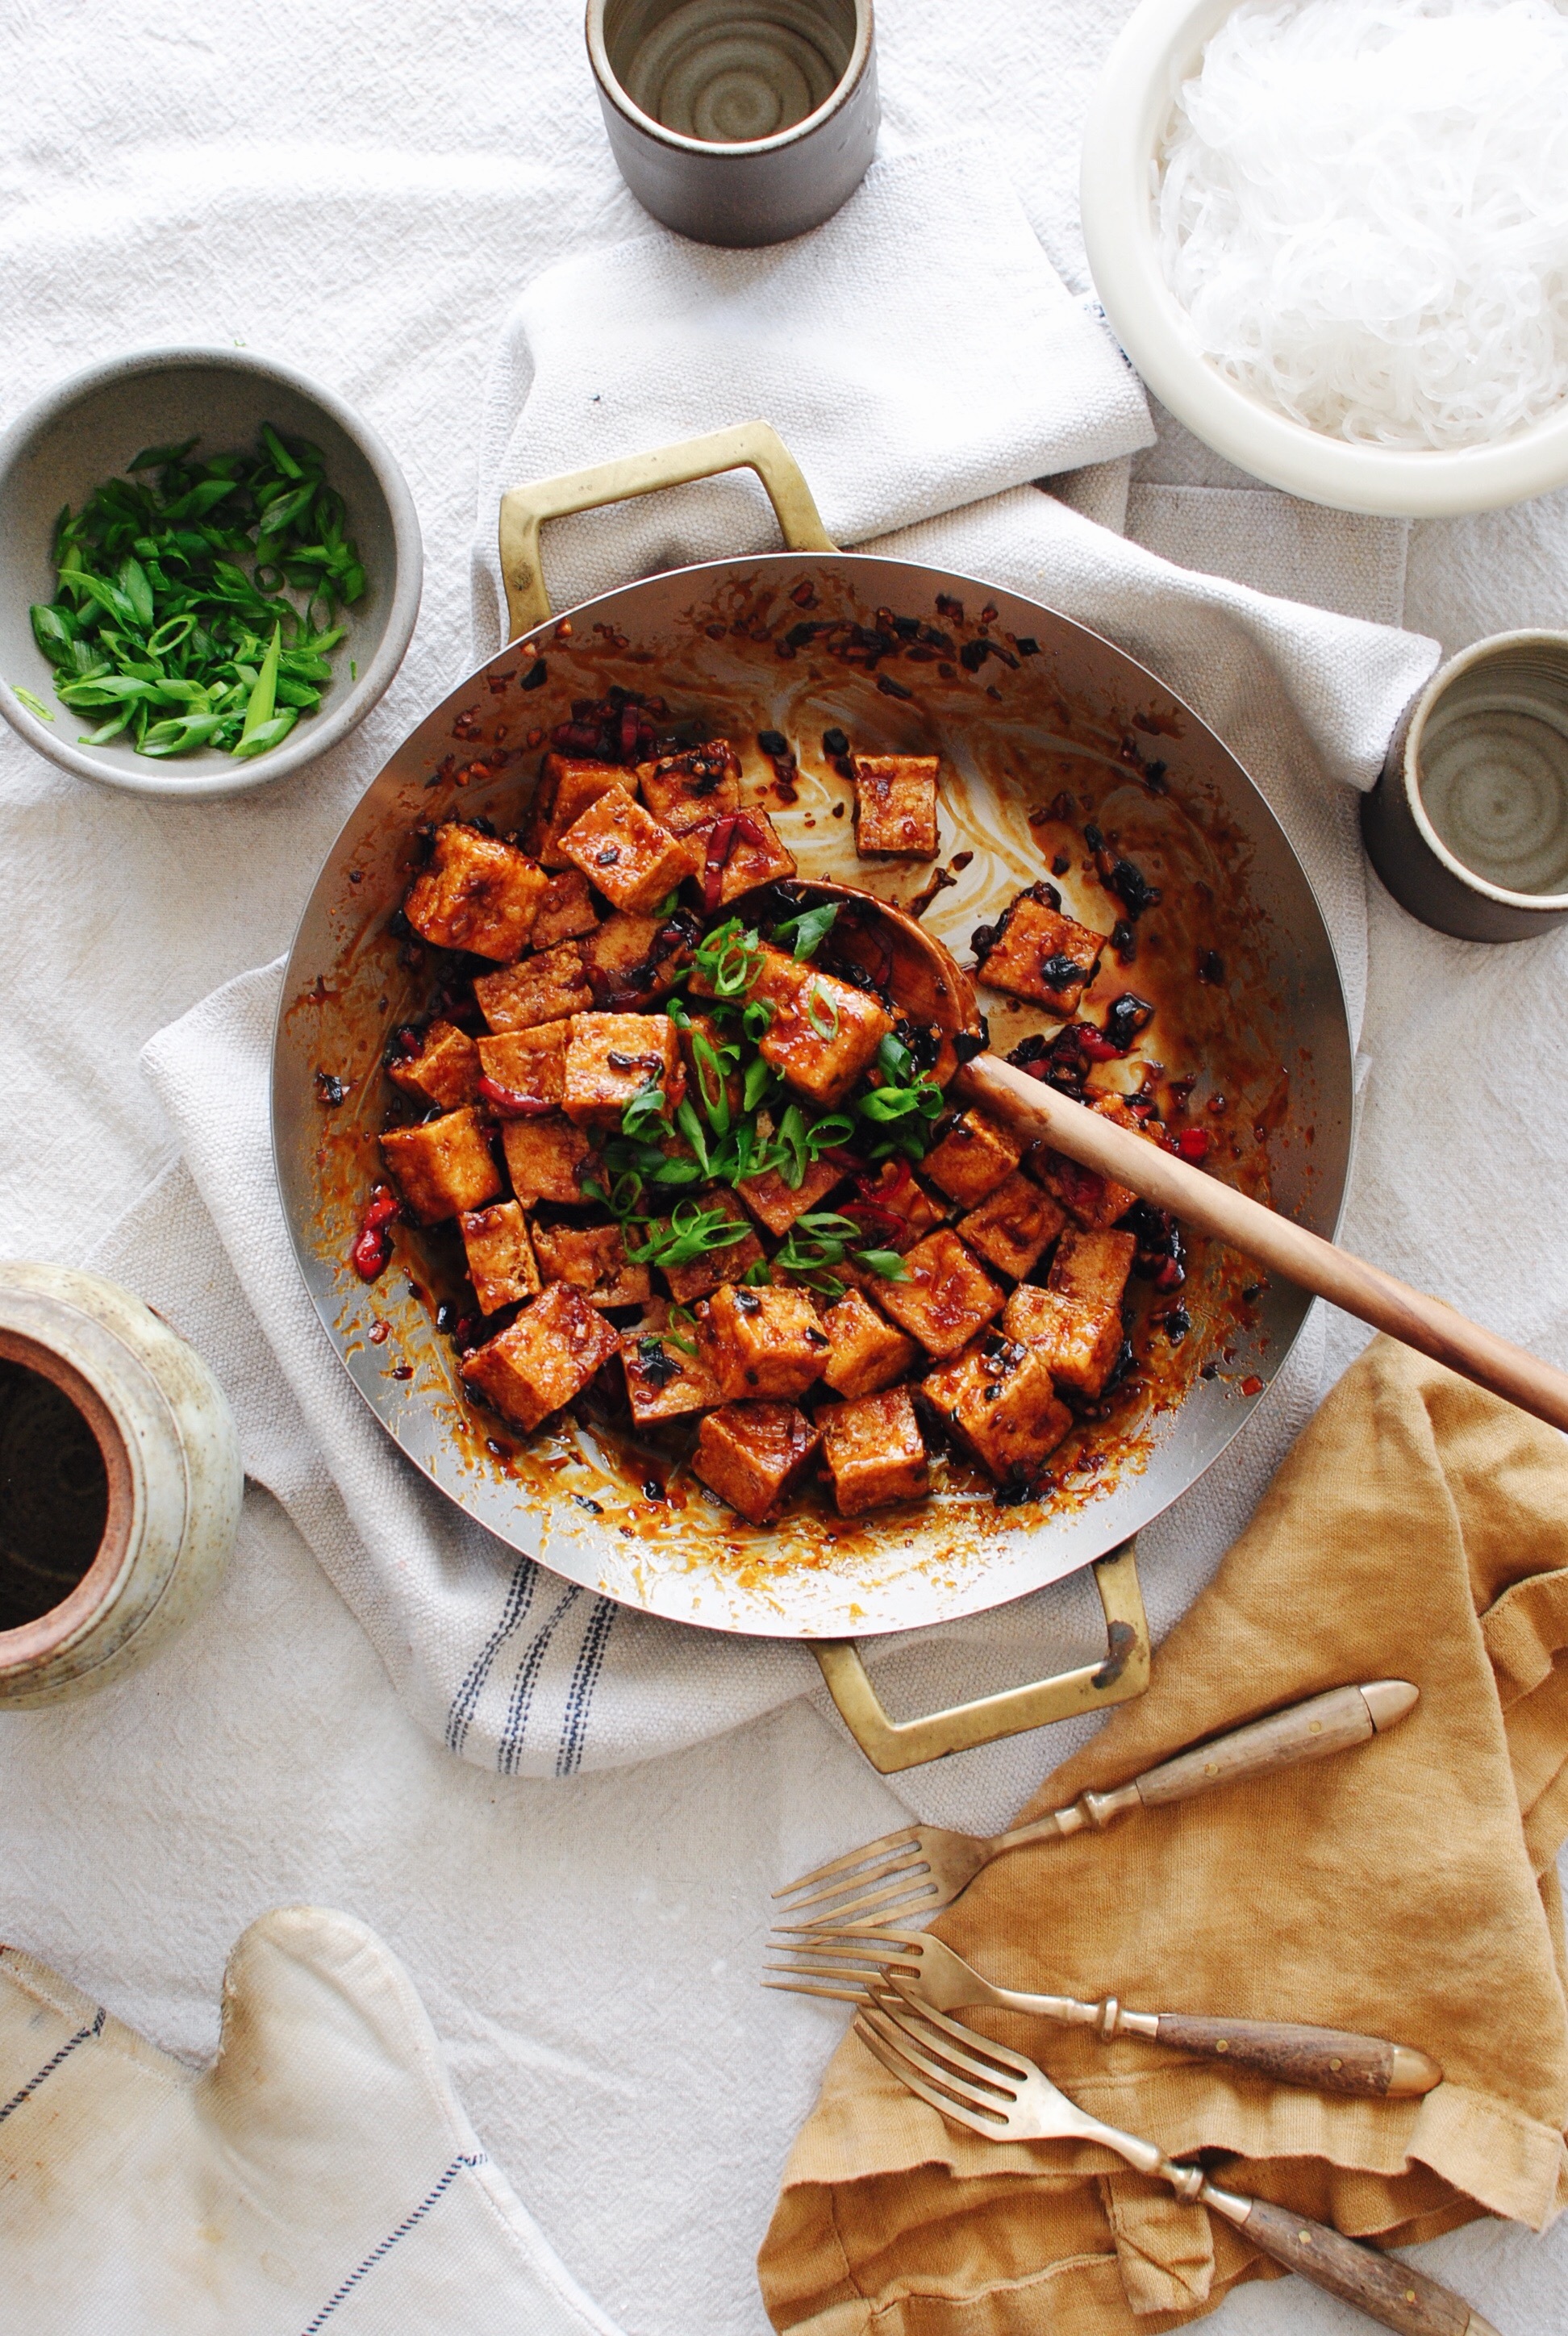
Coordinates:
[1192,1145]
[372,1251]
[720,844]
[508,1104]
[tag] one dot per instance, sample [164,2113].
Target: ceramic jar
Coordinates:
[117,1453]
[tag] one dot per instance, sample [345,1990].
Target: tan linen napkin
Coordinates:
[1419,1530]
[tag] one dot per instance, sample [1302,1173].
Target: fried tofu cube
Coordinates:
[763,1343]
[566,788]
[824,1035]
[873,1450]
[1094,1200]
[948,1298]
[895,806]
[750,852]
[896,1195]
[1012,1230]
[477,894]
[729,1262]
[527,1062]
[1093,1267]
[662,1380]
[689,790]
[625,853]
[443,1167]
[549,987]
[445,1070]
[1036,952]
[775,1205]
[611,1057]
[1080,1342]
[1000,1400]
[753,1455]
[546,1157]
[544,1358]
[865,1353]
[972,1159]
[593,1258]
[631,960]
[501,1260]
[565,911]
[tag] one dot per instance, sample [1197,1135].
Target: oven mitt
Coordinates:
[319,2175]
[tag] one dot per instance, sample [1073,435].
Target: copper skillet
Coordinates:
[1022,705]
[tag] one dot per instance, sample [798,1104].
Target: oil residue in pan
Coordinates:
[1036,782]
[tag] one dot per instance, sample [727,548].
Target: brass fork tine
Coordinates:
[800,1987]
[955,2062]
[983,2093]
[818,1935]
[938,2096]
[910,2009]
[843,1979]
[867,1853]
[905,1895]
[863,1947]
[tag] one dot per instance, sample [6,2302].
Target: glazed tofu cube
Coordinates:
[611,1057]
[565,911]
[1001,1402]
[1080,1342]
[824,1035]
[566,788]
[873,1450]
[753,1455]
[593,1258]
[948,1298]
[445,1070]
[527,1062]
[500,1260]
[775,1205]
[549,987]
[895,806]
[763,1343]
[631,960]
[662,1380]
[687,1283]
[545,1159]
[625,853]
[1012,1230]
[685,791]
[544,1358]
[1093,1267]
[478,894]
[1037,953]
[1094,1200]
[748,851]
[972,1159]
[865,1354]
[443,1167]
[896,1196]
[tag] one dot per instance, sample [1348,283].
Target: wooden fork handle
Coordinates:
[1326,2059]
[1382,2286]
[1275,1243]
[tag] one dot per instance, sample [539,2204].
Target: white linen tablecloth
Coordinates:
[367,191]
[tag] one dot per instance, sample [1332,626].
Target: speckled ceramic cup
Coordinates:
[1468,824]
[120,1483]
[737,121]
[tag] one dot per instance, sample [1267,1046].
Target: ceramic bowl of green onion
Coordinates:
[210,571]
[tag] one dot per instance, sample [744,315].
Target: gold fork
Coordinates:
[923,1868]
[1000,2094]
[848,1963]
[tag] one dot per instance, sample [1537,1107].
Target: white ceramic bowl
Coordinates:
[85,430]
[1159,48]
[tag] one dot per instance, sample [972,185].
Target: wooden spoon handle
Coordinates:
[1279,1246]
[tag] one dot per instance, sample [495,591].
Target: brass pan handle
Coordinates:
[1122,1673]
[748,446]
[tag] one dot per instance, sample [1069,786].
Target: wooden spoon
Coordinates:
[931,987]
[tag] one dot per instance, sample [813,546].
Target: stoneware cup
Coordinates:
[120,1483]
[85,430]
[737,121]
[1468,824]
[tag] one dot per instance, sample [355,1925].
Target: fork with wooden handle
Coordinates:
[848,1964]
[1001,2096]
[922,1868]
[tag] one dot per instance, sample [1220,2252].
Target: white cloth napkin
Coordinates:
[321,2171]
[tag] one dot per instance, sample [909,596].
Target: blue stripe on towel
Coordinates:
[458,2166]
[510,1753]
[94,2028]
[589,1657]
[519,1599]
